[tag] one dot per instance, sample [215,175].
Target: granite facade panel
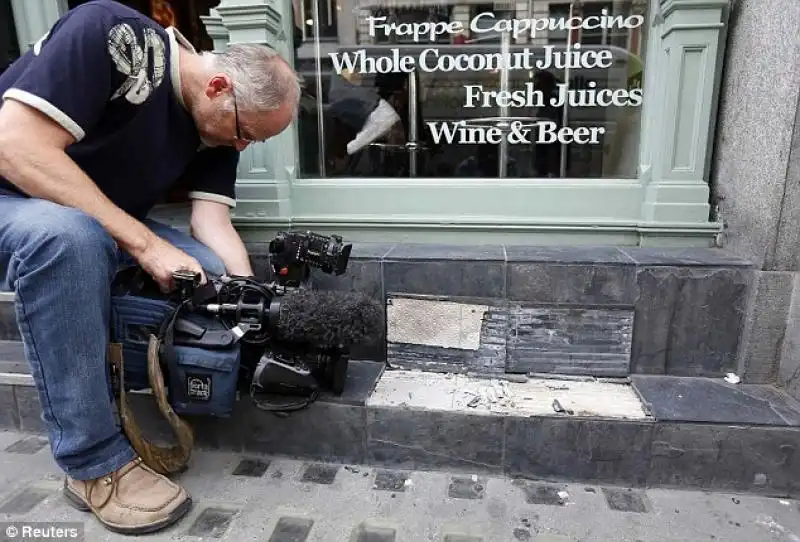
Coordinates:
[689,321]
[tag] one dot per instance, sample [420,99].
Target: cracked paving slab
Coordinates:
[279,499]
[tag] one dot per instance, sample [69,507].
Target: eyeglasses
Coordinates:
[236,116]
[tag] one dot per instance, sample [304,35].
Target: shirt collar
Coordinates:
[176,41]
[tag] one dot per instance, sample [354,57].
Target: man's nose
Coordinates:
[241,145]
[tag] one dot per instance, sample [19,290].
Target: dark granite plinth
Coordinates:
[567,255]
[760,460]
[679,399]
[413,439]
[569,341]
[9,330]
[9,415]
[12,358]
[572,284]
[614,451]
[737,456]
[690,304]
[29,409]
[685,257]
[689,321]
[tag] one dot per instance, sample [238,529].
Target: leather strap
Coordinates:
[162,459]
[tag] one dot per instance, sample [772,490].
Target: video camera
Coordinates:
[286,339]
[292,255]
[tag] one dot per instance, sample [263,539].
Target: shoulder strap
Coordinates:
[162,459]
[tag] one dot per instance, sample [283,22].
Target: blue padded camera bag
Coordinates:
[200,380]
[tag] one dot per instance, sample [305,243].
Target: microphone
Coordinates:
[326,318]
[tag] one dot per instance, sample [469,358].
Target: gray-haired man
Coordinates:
[99,121]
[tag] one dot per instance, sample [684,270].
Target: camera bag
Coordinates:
[199,357]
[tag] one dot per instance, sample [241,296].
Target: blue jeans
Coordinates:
[60,263]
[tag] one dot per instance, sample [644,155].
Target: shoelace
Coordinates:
[110,480]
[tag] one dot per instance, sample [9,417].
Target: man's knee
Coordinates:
[210,261]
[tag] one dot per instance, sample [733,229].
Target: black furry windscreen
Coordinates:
[329,318]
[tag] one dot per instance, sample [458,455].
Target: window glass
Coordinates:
[426,88]
[9,41]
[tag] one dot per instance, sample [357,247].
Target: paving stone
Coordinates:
[212,522]
[367,532]
[291,529]
[254,468]
[351,510]
[24,501]
[388,480]
[28,445]
[465,488]
[536,493]
[320,474]
[627,500]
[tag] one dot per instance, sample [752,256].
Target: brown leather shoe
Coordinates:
[133,500]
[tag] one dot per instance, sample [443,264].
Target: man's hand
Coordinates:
[160,260]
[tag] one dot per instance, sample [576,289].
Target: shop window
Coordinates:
[9,40]
[443,89]
[328,14]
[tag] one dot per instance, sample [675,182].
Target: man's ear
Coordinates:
[218,84]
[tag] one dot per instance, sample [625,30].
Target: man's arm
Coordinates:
[61,95]
[211,179]
[211,225]
[32,157]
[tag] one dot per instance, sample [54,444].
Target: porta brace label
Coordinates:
[198,387]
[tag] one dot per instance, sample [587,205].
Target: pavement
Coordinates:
[276,499]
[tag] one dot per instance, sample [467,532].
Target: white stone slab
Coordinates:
[463,393]
[428,322]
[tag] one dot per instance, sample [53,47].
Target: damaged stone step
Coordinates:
[653,431]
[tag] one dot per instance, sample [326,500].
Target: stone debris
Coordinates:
[556,387]
[492,393]
[559,408]
[559,376]
[498,395]
[732,378]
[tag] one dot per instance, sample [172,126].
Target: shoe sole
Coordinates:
[175,516]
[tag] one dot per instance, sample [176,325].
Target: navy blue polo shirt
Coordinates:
[109,75]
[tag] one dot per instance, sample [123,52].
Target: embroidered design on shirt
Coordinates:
[133,61]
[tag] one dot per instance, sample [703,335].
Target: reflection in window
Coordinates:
[9,41]
[327,24]
[444,89]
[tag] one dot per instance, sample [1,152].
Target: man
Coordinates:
[102,117]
